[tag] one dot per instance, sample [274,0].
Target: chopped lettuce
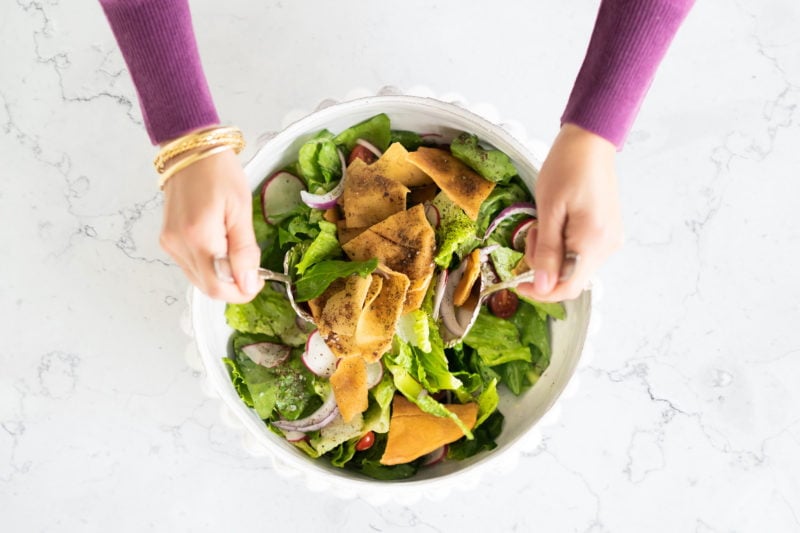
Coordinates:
[269,313]
[368,462]
[287,388]
[319,163]
[493,165]
[501,197]
[376,130]
[496,340]
[484,439]
[324,246]
[455,234]
[409,139]
[318,277]
[401,365]
[414,329]
[238,381]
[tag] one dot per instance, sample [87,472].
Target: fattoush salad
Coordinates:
[385,358]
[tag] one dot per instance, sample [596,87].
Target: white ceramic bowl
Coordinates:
[521,414]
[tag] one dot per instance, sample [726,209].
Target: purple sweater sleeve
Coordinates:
[629,40]
[157,41]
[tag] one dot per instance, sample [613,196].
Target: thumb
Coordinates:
[546,245]
[243,251]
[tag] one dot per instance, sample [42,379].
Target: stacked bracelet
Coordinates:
[193,147]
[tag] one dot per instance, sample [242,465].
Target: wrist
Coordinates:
[580,138]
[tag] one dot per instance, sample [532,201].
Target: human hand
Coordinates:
[578,211]
[208,213]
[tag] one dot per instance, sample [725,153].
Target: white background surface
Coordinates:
[687,419]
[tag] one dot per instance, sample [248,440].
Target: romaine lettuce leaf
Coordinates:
[484,439]
[493,165]
[319,163]
[376,130]
[324,246]
[496,340]
[399,364]
[409,139]
[455,234]
[318,277]
[268,313]
[238,381]
[414,329]
[501,197]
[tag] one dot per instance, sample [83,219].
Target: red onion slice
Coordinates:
[329,199]
[369,146]
[316,420]
[510,211]
[448,310]
[374,374]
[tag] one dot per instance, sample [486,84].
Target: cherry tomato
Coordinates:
[366,442]
[361,152]
[503,304]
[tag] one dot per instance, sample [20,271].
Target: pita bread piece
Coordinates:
[464,186]
[394,165]
[404,242]
[378,320]
[349,384]
[414,433]
[370,197]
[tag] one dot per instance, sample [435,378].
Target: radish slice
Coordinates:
[318,419]
[441,282]
[280,194]
[318,357]
[435,457]
[369,146]
[374,373]
[521,233]
[329,199]
[267,354]
[432,214]
[510,211]
[294,436]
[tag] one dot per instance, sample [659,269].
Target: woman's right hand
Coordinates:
[208,213]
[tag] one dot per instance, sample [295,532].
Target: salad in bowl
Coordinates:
[391,345]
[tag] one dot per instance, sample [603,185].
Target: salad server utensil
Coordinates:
[222,269]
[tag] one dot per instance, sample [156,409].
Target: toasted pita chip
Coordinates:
[370,197]
[414,433]
[342,309]
[394,165]
[349,384]
[345,234]
[464,186]
[404,242]
[472,272]
[376,325]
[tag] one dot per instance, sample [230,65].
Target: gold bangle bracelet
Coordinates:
[189,160]
[205,138]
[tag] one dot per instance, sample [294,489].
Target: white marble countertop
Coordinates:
[687,418]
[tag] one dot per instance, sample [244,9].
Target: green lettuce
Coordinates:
[409,139]
[368,462]
[501,197]
[493,165]
[484,439]
[269,313]
[376,130]
[287,388]
[324,246]
[455,234]
[319,163]
[318,277]
[496,340]
[414,328]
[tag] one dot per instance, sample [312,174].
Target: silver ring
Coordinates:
[568,266]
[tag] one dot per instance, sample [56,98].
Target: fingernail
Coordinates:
[222,269]
[250,281]
[568,266]
[541,283]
